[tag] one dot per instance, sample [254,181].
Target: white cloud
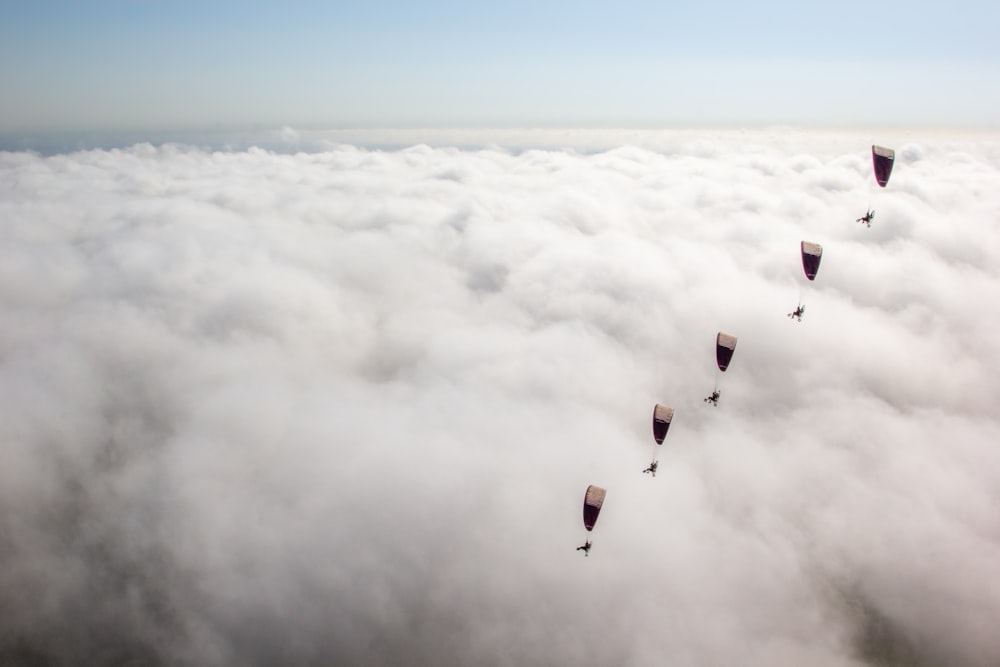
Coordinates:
[341,406]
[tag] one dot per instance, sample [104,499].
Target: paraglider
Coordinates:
[882,159]
[812,253]
[662,416]
[725,345]
[592,502]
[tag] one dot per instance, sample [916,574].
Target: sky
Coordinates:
[341,405]
[129,65]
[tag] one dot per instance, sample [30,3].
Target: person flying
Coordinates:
[797,313]
[652,468]
[585,548]
[714,398]
[867,218]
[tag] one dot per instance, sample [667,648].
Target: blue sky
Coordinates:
[180,64]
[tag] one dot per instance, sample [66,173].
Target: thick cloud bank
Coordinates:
[341,407]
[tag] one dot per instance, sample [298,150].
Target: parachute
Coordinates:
[661,422]
[811,255]
[882,159]
[592,502]
[725,345]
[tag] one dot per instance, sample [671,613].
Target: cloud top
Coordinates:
[340,406]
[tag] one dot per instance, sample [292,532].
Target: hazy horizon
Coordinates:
[287,139]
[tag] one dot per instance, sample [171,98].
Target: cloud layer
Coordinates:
[341,406]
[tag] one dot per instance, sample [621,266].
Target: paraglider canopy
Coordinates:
[661,422]
[592,502]
[724,347]
[811,254]
[882,159]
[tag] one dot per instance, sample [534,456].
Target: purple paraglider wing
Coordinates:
[592,502]
[662,415]
[724,347]
[882,159]
[811,254]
